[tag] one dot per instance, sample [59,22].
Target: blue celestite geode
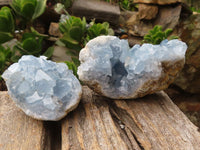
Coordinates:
[43,89]
[111,68]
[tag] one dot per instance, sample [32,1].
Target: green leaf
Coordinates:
[30,45]
[28,35]
[63,27]
[173,37]
[40,8]
[99,29]
[72,67]
[76,33]
[3,24]
[36,33]
[103,31]
[2,57]
[67,38]
[27,10]
[156,35]
[91,34]
[6,19]
[158,40]
[49,52]
[168,32]
[15,58]
[106,25]
[5,58]
[84,24]
[59,43]
[4,37]
[76,61]
[147,39]
[16,6]
[159,34]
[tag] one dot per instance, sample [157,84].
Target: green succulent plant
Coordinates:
[29,9]
[157,35]
[126,4]
[6,58]
[99,29]
[73,67]
[76,34]
[7,25]
[73,31]
[31,44]
[193,9]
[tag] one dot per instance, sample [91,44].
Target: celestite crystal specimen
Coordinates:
[111,68]
[43,89]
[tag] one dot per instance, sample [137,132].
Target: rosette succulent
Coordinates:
[29,9]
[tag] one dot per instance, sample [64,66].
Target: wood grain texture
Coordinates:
[151,123]
[18,131]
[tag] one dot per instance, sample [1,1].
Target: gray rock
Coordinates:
[54,29]
[137,27]
[99,10]
[160,2]
[111,68]
[167,17]
[189,32]
[147,12]
[43,89]
[60,54]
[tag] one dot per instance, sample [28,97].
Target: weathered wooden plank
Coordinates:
[153,122]
[18,131]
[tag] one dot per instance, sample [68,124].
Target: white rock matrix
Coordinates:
[43,89]
[112,69]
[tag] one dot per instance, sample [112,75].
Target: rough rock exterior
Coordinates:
[43,89]
[189,32]
[160,2]
[99,10]
[54,29]
[147,12]
[167,17]
[111,68]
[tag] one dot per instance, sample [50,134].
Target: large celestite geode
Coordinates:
[43,89]
[112,69]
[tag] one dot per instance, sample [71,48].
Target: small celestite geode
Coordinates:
[112,69]
[43,89]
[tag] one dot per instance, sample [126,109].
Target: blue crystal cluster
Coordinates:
[43,89]
[113,69]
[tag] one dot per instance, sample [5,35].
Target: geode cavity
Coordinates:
[112,69]
[43,89]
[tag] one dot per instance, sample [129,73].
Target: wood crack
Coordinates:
[150,123]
